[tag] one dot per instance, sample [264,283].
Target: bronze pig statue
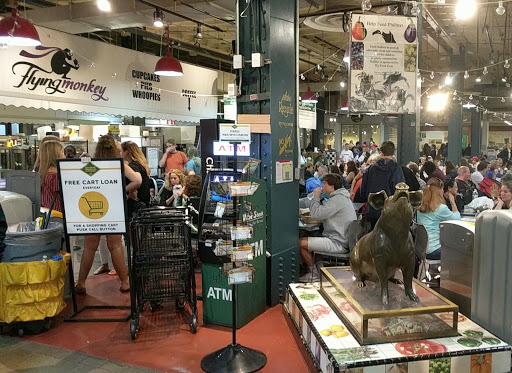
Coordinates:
[389,247]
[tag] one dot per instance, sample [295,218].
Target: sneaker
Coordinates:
[310,278]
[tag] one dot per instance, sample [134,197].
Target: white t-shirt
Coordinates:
[346,156]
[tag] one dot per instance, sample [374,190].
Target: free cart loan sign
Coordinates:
[93,196]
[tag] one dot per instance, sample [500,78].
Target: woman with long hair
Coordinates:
[38,157]
[450,170]
[133,156]
[351,171]
[49,152]
[432,211]
[451,187]
[503,198]
[173,189]
[107,148]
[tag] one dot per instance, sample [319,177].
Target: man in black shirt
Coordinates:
[506,155]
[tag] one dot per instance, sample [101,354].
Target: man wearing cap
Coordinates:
[374,149]
[172,158]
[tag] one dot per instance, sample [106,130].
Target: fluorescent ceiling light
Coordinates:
[103,5]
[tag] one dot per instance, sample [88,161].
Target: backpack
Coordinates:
[486,185]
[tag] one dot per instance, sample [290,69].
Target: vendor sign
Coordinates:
[93,196]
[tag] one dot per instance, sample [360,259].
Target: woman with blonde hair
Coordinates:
[134,157]
[173,189]
[38,157]
[434,210]
[49,152]
[107,148]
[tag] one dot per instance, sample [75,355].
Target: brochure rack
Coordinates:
[235,357]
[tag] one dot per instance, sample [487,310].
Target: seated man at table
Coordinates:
[335,213]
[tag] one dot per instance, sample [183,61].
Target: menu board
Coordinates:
[383,64]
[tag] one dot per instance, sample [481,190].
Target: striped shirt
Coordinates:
[48,189]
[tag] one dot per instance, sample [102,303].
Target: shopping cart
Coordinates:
[161,263]
[94,205]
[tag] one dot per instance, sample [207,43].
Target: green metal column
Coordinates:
[454,111]
[407,139]
[271,28]
[476,132]
[318,134]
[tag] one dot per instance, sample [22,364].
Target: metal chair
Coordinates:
[420,246]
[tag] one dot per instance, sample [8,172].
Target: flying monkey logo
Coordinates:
[36,77]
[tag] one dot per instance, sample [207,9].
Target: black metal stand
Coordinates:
[234,358]
[77,311]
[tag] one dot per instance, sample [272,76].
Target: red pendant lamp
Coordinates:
[168,65]
[16,31]
[309,97]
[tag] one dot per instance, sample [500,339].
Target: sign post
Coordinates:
[93,201]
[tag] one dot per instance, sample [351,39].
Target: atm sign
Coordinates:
[222,148]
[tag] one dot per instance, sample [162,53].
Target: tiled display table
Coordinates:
[334,349]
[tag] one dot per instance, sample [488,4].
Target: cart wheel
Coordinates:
[47,324]
[133,329]
[180,303]
[193,325]
[21,332]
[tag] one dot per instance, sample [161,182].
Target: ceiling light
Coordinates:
[346,57]
[366,5]
[465,9]
[504,79]
[103,5]
[470,97]
[168,65]
[503,99]
[469,105]
[448,80]
[342,84]
[432,75]
[16,31]
[302,77]
[478,79]
[158,18]
[485,98]
[198,35]
[507,122]
[437,101]
[500,10]
[466,74]
[506,65]
[309,97]
[485,71]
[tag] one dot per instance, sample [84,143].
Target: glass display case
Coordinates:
[401,320]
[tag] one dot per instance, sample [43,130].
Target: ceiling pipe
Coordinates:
[151,4]
[217,6]
[207,13]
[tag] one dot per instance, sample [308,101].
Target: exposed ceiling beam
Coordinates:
[431,20]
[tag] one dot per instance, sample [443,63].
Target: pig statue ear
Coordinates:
[415,198]
[376,200]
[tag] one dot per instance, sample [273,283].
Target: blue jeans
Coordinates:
[434,255]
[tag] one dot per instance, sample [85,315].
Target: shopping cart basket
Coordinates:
[94,205]
[161,262]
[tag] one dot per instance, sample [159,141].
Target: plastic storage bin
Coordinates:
[33,245]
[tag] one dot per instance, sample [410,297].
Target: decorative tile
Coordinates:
[417,366]
[501,362]
[397,368]
[461,364]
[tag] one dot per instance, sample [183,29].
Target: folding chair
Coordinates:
[420,246]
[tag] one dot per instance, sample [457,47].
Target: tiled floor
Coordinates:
[164,342]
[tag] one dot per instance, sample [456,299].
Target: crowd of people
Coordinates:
[358,171]
[181,182]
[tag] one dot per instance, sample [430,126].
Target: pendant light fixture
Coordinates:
[168,65]
[16,31]
[309,97]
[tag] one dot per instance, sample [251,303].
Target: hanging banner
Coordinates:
[383,64]
[72,73]
[93,196]
[307,116]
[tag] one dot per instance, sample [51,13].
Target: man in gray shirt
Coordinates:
[336,214]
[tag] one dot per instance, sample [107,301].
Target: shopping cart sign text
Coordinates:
[90,182]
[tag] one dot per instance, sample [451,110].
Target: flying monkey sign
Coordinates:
[55,80]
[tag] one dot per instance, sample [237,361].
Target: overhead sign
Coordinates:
[222,148]
[307,116]
[93,195]
[234,132]
[69,72]
[383,64]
